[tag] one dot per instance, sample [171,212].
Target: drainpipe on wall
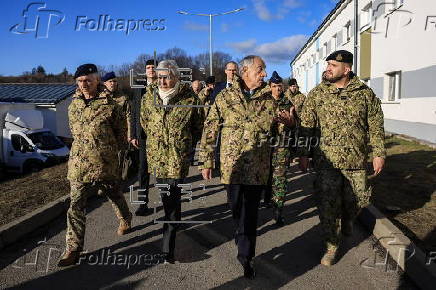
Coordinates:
[356,33]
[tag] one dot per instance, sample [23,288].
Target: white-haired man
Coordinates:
[246,111]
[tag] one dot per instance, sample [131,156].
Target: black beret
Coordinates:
[341,56]
[85,69]
[108,76]
[275,78]
[210,80]
[293,82]
[150,62]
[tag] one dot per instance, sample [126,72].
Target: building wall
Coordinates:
[401,41]
[411,50]
[62,124]
[56,117]
[49,116]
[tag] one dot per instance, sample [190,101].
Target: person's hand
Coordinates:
[207,173]
[287,117]
[209,91]
[303,162]
[135,142]
[378,163]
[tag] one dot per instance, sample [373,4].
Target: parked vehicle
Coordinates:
[25,145]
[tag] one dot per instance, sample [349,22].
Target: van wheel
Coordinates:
[32,167]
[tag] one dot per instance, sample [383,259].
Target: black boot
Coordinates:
[249,271]
[278,216]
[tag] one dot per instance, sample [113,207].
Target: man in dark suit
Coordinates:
[139,138]
[231,70]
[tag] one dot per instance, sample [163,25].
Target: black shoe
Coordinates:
[142,210]
[249,271]
[278,217]
[168,258]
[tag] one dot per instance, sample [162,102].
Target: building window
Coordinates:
[347,32]
[394,86]
[367,82]
[334,43]
[324,50]
[366,16]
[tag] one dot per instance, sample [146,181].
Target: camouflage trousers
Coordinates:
[76,215]
[280,161]
[340,194]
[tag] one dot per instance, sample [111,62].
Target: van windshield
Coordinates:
[45,140]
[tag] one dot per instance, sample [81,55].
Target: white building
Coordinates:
[396,57]
[51,99]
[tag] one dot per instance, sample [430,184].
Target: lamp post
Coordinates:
[210,27]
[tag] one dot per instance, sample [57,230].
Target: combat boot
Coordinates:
[278,216]
[347,227]
[125,225]
[69,258]
[329,257]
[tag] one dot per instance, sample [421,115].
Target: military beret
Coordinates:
[210,80]
[293,82]
[85,69]
[108,76]
[341,56]
[150,62]
[275,78]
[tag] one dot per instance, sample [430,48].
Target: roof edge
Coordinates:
[326,19]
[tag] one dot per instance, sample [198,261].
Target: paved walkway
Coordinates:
[287,257]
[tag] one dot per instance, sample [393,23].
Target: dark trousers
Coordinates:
[244,203]
[143,175]
[171,200]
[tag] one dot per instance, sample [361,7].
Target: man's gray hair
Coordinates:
[246,62]
[171,65]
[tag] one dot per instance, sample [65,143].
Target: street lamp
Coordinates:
[210,27]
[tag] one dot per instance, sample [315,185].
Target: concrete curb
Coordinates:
[402,250]
[26,224]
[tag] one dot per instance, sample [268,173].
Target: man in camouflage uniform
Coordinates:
[294,95]
[205,94]
[246,111]
[111,83]
[173,126]
[280,151]
[347,117]
[96,124]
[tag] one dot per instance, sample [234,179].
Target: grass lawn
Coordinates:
[409,183]
[24,194]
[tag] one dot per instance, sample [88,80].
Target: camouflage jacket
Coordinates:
[246,124]
[280,132]
[346,122]
[297,100]
[125,104]
[206,100]
[172,131]
[98,133]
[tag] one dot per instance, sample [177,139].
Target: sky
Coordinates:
[67,33]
